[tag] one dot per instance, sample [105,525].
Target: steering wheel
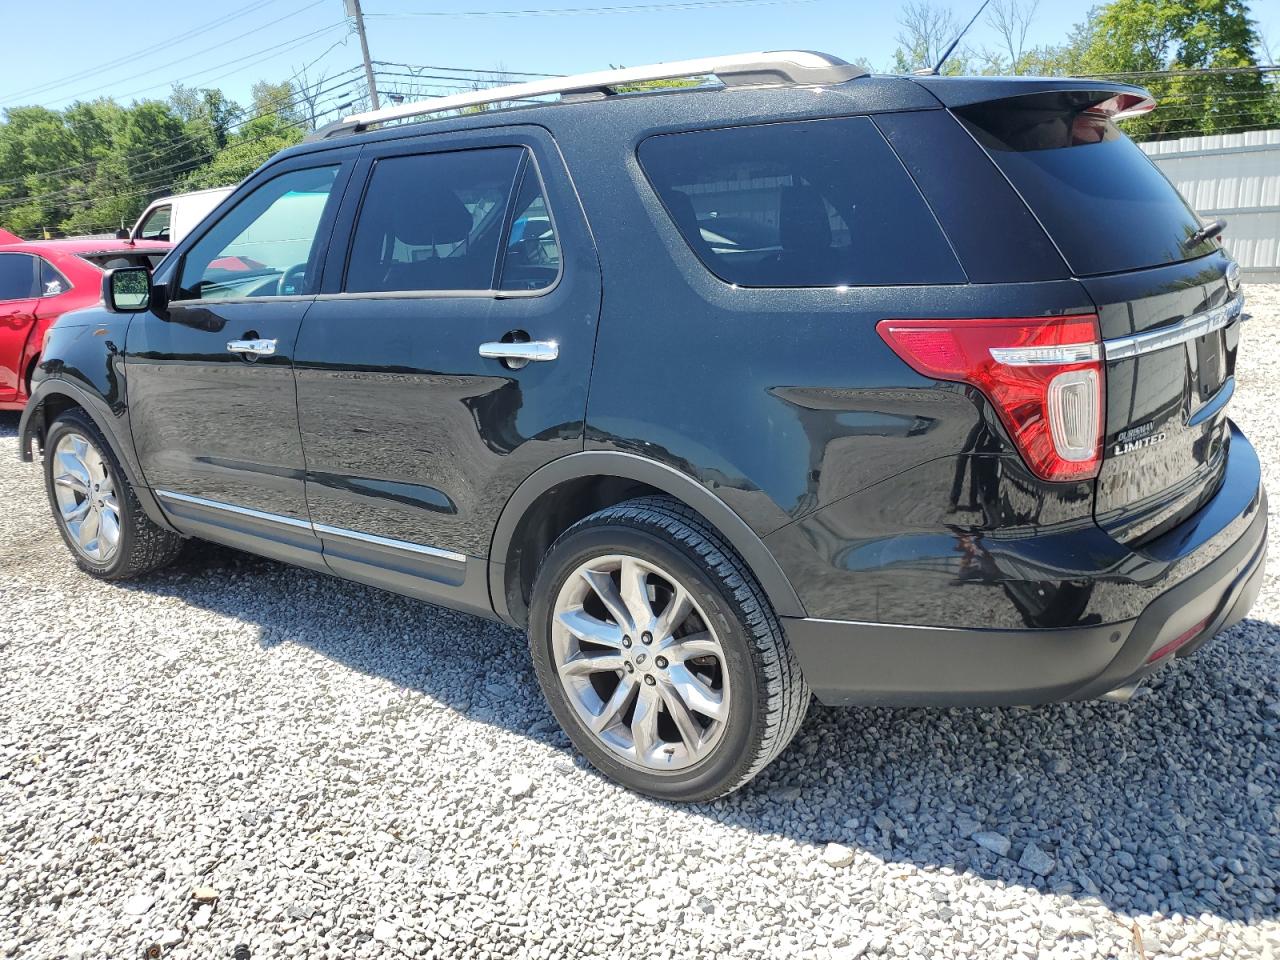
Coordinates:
[290,280]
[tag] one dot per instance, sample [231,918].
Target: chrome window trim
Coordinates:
[438,294]
[315,528]
[215,302]
[1194,326]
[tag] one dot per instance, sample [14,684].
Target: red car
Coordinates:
[40,280]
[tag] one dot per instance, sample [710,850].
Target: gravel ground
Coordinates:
[237,752]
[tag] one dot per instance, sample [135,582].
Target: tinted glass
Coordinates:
[433,221]
[532,257]
[109,261]
[811,204]
[1103,202]
[17,278]
[264,245]
[156,226]
[52,282]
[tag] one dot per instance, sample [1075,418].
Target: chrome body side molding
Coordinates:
[323,529]
[232,508]
[319,529]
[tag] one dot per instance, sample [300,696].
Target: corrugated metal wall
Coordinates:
[1235,176]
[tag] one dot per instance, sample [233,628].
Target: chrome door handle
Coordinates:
[259,348]
[534,350]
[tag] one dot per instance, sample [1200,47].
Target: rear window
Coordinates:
[1106,205]
[815,203]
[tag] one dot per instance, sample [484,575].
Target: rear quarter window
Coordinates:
[816,203]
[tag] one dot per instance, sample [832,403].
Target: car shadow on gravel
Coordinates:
[1167,804]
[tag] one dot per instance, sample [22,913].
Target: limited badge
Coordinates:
[1136,438]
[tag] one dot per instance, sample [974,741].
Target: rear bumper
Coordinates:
[849,663]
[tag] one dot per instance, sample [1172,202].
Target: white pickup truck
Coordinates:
[172,218]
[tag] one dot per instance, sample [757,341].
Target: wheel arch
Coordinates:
[592,480]
[54,395]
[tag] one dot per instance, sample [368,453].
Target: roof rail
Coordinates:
[736,70]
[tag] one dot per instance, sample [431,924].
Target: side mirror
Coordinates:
[127,289]
[122,234]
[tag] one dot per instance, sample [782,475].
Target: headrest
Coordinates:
[803,223]
[422,213]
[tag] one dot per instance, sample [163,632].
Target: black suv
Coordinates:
[900,390]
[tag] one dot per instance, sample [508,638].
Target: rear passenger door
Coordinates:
[415,434]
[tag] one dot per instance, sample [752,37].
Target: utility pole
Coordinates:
[353,10]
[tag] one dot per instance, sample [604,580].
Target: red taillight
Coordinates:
[1042,374]
[1178,641]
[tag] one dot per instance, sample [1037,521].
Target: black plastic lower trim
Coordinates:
[848,663]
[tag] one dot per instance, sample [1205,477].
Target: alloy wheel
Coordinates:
[640,663]
[86,497]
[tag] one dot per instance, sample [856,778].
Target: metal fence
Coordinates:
[1235,176]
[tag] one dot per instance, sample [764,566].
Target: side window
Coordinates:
[52,282]
[265,245]
[806,204]
[532,257]
[156,226]
[17,277]
[433,221]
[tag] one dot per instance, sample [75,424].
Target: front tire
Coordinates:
[660,655]
[94,506]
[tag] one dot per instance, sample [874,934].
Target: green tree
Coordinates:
[206,113]
[1183,37]
[925,33]
[279,99]
[249,148]
[1062,60]
[40,159]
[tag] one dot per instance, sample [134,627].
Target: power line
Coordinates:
[163,83]
[142,156]
[152,184]
[1193,72]
[159,148]
[496,73]
[119,60]
[153,188]
[1196,115]
[426,77]
[584,11]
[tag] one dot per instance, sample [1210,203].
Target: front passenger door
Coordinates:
[210,375]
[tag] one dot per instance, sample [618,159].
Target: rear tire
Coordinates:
[94,506]
[722,703]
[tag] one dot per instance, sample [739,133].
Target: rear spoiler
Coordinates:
[967,91]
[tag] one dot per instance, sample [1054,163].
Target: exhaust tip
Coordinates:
[1122,694]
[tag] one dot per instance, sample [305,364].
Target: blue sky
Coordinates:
[141,53]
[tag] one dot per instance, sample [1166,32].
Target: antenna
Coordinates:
[933,71]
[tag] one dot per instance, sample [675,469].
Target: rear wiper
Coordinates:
[1207,232]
